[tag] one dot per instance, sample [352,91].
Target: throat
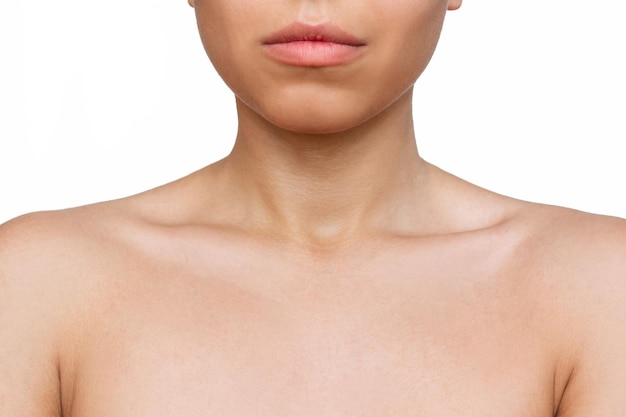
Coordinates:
[325,187]
[325,201]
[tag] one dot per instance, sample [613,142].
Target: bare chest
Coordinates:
[223,350]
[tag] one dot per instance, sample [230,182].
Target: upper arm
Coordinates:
[597,384]
[29,374]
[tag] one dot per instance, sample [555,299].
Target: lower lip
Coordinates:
[313,53]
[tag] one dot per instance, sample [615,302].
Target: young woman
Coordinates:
[323,268]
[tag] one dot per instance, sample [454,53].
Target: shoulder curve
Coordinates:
[594,235]
[576,247]
[33,316]
[566,225]
[51,246]
[573,265]
[30,249]
[24,234]
[36,232]
[591,280]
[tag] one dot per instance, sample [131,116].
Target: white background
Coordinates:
[100,100]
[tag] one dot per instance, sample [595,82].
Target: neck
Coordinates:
[326,188]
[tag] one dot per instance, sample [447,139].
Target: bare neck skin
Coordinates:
[327,188]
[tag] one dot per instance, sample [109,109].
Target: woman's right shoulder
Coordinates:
[29,308]
[37,251]
[33,310]
[57,246]
[44,259]
[29,240]
[42,236]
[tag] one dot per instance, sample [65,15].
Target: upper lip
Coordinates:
[298,31]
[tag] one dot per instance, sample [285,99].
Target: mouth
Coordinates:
[300,32]
[300,44]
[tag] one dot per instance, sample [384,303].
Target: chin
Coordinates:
[315,124]
[315,114]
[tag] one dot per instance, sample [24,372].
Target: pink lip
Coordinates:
[323,45]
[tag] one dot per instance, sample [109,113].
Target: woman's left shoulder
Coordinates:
[583,268]
[592,240]
[569,238]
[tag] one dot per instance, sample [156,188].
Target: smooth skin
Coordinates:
[321,269]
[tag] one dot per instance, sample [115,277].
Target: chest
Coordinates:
[225,351]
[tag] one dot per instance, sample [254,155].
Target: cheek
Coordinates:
[409,34]
[223,26]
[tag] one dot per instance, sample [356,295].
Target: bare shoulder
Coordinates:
[32,261]
[580,249]
[66,253]
[583,258]
[46,265]
[571,239]
[30,311]
[60,252]
[46,245]
[598,381]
